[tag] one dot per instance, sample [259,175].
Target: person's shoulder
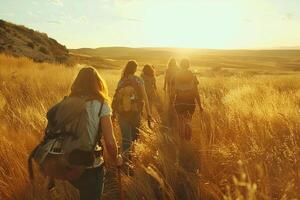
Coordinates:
[106,109]
[99,108]
[93,103]
[138,79]
[105,103]
[97,102]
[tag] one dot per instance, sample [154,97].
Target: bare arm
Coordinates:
[109,137]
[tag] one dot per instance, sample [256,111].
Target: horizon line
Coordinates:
[297,47]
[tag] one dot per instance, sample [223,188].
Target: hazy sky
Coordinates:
[167,23]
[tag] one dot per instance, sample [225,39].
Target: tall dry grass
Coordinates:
[245,145]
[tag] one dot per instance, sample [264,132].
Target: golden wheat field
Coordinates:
[246,144]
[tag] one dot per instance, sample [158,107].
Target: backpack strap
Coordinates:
[101,107]
[100,127]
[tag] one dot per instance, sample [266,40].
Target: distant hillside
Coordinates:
[126,53]
[18,40]
[279,59]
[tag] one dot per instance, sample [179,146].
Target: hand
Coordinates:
[149,120]
[119,161]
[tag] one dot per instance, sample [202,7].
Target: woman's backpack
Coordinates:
[66,149]
[184,87]
[128,96]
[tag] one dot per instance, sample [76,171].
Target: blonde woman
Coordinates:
[89,85]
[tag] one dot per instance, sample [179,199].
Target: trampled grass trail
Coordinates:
[244,146]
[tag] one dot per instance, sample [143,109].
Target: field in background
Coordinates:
[245,145]
[249,61]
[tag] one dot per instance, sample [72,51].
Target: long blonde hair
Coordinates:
[89,83]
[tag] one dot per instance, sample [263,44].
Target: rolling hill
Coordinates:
[19,40]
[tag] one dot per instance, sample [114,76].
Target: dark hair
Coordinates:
[89,83]
[185,63]
[149,70]
[130,68]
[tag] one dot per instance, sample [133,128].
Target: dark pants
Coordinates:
[129,125]
[90,184]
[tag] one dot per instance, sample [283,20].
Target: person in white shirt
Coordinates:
[91,86]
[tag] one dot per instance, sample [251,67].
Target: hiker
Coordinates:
[148,76]
[172,69]
[128,102]
[76,127]
[185,97]
[90,85]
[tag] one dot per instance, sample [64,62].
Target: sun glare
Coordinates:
[209,24]
[193,25]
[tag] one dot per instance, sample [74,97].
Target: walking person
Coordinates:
[148,76]
[185,97]
[171,71]
[89,85]
[128,102]
[71,148]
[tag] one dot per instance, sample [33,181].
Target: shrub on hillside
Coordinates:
[37,39]
[30,44]
[2,32]
[44,50]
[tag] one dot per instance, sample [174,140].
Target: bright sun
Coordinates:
[190,25]
[208,24]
